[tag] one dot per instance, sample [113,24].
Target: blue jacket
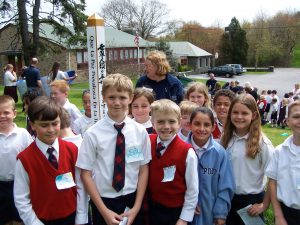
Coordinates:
[169,88]
[216,184]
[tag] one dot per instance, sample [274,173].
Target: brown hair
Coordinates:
[118,81]
[255,132]
[146,92]
[223,92]
[205,111]
[292,105]
[7,99]
[65,120]
[159,59]
[200,88]
[43,108]
[62,85]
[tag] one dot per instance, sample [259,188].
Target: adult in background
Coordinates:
[211,83]
[157,77]
[33,78]
[10,82]
[251,90]
[57,74]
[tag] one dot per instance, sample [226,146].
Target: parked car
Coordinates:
[226,71]
[238,67]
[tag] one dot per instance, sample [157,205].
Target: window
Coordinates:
[135,53]
[82,59]
[121,54]
[110,55]
[116,55]
[130,53]
[126,54]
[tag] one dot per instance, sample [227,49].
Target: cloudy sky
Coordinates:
[212,12]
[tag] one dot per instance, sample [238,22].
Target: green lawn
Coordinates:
[296,57]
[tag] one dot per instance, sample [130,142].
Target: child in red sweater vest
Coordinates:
[44,189]
[173,180]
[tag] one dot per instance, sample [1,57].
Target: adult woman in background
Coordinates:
[57,74]
[10,82]
[157,78]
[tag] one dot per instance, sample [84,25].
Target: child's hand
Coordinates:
[181,222]
[219,221]
[130,214]
[256,209]
[111,218]
[197,210]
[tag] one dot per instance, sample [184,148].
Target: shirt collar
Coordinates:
[242,137]
[112,122]
[166,143]
[44,147]
[198,148]
[14,130]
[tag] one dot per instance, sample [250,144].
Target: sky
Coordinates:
[214,12]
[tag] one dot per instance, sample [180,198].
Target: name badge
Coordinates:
[133,154]
[64,181]
[169,173]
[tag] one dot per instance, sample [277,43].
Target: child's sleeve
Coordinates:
[22,196]
[225,189]
[82,200]
[146,148]
[192,187]
[86,154]
[271,170]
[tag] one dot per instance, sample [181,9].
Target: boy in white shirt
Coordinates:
[114,157]
[284,173]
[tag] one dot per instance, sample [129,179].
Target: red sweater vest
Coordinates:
[169,194]
[216,133]
[47,201]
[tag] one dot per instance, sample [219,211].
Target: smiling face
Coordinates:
[7,115]
[46,131]
[221,108]
[166,125]
[86,102]
[293,121]
[140,109]
[201,127]
[241,117]
[117,103]
[197,98]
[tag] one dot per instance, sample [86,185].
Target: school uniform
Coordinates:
[216,186]
[148,125]
[97,154]
[217,133]
[248,173]
[39,196]
[174,174]
[181,135]
[284,168]
[81,124]
[11,145]
[73,112]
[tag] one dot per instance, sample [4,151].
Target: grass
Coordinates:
[296,57]
[274,134]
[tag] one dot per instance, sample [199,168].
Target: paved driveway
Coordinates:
[282,80]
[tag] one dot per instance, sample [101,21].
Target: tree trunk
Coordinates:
[23,21]
[35,28]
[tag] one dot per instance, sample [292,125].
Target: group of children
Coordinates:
[170,164]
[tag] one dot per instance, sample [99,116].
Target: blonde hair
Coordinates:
[255,132]
[62,85]
[9,100]
[159,59]
[165,106]
[200,88]
[187,107]
[118,81]
[9,67]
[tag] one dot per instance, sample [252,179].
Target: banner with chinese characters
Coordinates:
[97,64]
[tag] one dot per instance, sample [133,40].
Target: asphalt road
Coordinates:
[282,80]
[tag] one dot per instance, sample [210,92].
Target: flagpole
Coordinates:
[138,53]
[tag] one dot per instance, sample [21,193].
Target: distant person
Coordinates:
[211,82]
[57,74]
[163,84]
[33,78]
[251,90]
[238,89]
[296,90]
[198,93]
[10,82]
[226,86]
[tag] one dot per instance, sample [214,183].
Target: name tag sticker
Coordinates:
[169,173]
[134,154]
[64,181]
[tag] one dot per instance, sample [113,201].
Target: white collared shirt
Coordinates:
[199,150]
[82,124]
[8,78]
[11,145]
[73,112]
[97,154]
[249,173]
[191,179]
[285,169]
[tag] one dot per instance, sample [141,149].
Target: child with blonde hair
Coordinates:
[198,93]
[250,152]
[186,109]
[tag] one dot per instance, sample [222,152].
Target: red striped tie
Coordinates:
[52,159]
[159,148]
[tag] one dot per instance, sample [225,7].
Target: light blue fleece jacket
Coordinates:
[216,184]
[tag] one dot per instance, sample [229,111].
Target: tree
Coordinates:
[64,15]
[146,18]
[234,45]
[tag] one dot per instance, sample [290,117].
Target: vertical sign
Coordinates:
[97,64]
